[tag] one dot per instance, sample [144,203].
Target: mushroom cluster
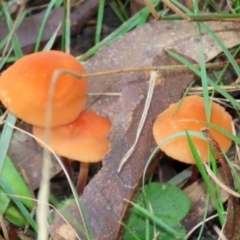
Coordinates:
[24,88]
[76,133]
[191,116]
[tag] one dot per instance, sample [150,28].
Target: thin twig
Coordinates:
[230,6]
[221,184]
[227,88]
[152,82]
[199,225]
[3,227]
[14,27]
[156,68]
[177,10]
[105,94]
[44,189]
[152,10]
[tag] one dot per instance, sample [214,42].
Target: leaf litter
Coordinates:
[103,197]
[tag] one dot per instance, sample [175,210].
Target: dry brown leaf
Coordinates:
[103,197]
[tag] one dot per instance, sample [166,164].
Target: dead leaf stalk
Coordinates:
[231,228]
[152,9]
[153,78]
[176,10]
[42,210]
[228,88]
[173,68]
[199,225]
[215,19]
[14,28]
[3,227]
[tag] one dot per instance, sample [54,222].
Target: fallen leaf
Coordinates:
[103,197]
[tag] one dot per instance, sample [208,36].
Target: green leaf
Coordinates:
[12,180]
[169,205]
[19,205]
[4,201]
[6,136]
[15,216]
[15,182]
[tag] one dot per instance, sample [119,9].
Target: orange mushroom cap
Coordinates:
[83,139]
[189,117]
[24,88]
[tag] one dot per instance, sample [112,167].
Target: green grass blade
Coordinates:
[64,24]
[100,15]
[51,41]
[147,227]
[117,12]
[66,27]
[40,34]
[4,41]
[127,26]
[123,5]
[16,45]
[205,177]
[222,46]
[195,7]
[213,35]
[5,139]
[4,201]
[157,220]
[4,60]
[68,36]
[204,78]
[210,82]
[130,231]
[20,206]
[9,59]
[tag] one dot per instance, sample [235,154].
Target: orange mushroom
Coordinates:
[190,116]
[24,88]
[83,140]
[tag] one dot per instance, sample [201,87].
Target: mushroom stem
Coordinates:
[194,176]
[67,164]
[82,177]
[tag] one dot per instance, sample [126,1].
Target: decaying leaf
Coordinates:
[103,197]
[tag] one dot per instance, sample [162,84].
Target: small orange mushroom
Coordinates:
[83,140]
[190,116]
[24,88]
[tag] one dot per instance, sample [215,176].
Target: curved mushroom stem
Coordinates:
[67,164]
[194,176]
[82,177]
